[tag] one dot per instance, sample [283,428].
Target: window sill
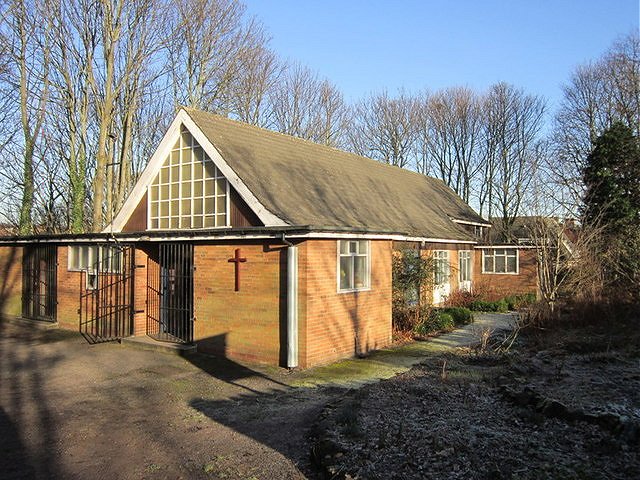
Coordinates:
[356,290]
[501,273]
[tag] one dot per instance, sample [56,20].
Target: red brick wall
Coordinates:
[495,285]
[248,324]
[340,325]
[68,292]
[11,280]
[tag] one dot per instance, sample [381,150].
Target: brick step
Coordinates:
[148,343]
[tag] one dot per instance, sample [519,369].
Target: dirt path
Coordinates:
[73,410]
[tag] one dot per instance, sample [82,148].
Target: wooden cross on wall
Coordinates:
[237,260]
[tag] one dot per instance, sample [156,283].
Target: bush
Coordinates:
[523,300]
[483,306]
[461,298]
[502,306]
[405,319]
[435,322]
[499,306]
[461,316]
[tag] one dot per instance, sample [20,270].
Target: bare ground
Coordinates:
[71,410]
[565,404]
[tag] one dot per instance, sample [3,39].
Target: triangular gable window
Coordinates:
[189,190]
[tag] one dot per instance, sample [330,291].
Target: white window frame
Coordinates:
[367,255]
[506,255]
[441,255]
[470,263]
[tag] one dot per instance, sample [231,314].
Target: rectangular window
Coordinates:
[500,260]
[92,258]
[442,268]
[353,265]
[464,266]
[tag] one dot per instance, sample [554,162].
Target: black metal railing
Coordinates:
[106,294]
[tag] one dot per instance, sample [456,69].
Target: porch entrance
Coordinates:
[106,293]
[170,294]
[39,280]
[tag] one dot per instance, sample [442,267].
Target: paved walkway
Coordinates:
[391,361]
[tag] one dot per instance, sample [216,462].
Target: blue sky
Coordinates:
[366,46]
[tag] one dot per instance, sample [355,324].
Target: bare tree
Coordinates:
[71,121]
[208,48]
[27,77]
[597,94]
[249,98]
[305,106]
[384,128]
[449,132]
[513,121]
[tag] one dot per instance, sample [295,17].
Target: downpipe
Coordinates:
[292,304]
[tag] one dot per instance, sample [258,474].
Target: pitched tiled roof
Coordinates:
[304,183]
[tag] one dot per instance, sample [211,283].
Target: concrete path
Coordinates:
[386,363]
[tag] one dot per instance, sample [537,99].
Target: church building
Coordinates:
[257,246]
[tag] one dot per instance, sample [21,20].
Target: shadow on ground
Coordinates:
[73,410]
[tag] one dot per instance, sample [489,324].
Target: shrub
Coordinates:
[511,300]
[483,306]
[461,316]
[405,319]
[461,298]
[435,322]
[501,306]
[523,300]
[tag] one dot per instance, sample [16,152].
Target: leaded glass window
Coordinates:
[189,190]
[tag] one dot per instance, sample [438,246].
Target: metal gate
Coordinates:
[170,294]
[106,293]
[39,282]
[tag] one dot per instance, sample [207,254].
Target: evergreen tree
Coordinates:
[612,203]
[611,177]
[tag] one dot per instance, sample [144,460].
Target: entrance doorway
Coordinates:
[39,278]
[170,294]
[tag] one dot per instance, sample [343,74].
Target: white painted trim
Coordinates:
[147,176]
[247,236]
[265,216]
[465,222]
[518,247]
[384,236]
[157,160]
